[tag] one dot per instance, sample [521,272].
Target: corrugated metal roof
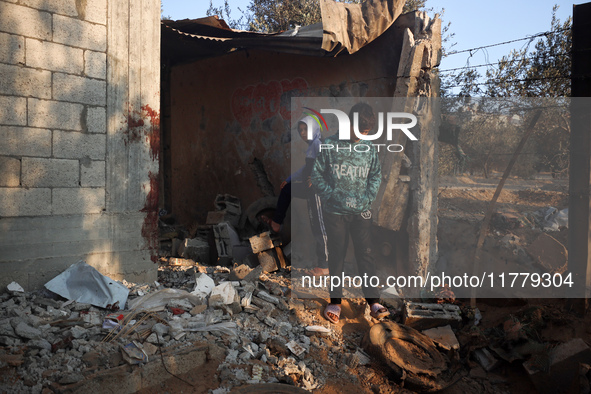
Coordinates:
[197,40]
[347,28]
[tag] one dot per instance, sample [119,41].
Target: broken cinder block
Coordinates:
[261,242]
[422,316]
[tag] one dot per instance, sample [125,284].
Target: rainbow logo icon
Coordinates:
[317,117]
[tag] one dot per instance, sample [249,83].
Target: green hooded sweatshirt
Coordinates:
[346,180]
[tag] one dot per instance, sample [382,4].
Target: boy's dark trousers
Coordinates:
[338,228]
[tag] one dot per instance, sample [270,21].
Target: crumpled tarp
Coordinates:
[83,283]
[352,26]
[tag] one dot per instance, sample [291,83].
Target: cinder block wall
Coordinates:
[79,134]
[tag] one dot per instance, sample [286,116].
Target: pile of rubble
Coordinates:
[245,322]
[236,310]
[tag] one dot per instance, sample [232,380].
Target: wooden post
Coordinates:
[579,259]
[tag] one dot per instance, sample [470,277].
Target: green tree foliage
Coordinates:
[539,70]
[270,16]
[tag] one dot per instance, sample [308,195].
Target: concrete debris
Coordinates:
[195,249]
[225,292]
[295,348]
[261,242]
[421,316]
[13,286]
[268,260]
[239,272]
[317,330]
[247,327]
[444,337]
[226,238]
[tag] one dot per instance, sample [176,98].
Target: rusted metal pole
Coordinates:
[491,207]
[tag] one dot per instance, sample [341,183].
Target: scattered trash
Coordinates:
[295,348]
[133,353]
[13,286]
[113,321]
[83,283]
[203,285]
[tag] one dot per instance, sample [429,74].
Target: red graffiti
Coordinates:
[242,105]
[150,226]
[292,88]
[265,100]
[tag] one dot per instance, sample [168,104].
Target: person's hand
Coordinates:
[282,185]
[309,181]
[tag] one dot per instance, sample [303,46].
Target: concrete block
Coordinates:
[95,64]
[10,171]
[71,145]
[562,373]
[95,11]
[77,200]
[268,261]
[39,172]
[96,120]
[25,202]
[239,272]
[225,238]
[78,33]
[12,49]
[195,249]
[64,7]
[13,110]
[422,316]
[24,141]
[261,242]
[23,81]
[79,89]
[55,114]
[54,57]
[92,173]
[25,21]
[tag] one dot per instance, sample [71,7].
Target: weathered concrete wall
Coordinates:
[79,96]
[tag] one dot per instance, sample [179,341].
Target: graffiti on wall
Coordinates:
[266,100]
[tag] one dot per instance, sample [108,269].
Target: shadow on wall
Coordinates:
[83,155]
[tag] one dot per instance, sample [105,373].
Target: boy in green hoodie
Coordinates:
[347,178]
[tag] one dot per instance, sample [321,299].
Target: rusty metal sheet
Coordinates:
[349,27]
